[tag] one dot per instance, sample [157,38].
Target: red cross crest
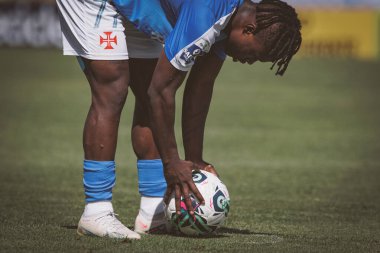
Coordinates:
[108,40]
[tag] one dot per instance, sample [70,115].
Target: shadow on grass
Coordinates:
[69,226]
[225,232]
[216,235]
[222,232]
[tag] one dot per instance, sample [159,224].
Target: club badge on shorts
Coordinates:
[108,39]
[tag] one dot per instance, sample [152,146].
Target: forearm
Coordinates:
[194,114]
[162,119]
[162,90]
[196,104]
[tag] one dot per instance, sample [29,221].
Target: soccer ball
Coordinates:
[208,217]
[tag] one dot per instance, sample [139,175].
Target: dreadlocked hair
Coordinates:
[278,23]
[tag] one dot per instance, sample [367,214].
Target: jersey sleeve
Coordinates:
[194,33]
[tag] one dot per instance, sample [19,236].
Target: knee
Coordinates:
[109,88]
[110,101]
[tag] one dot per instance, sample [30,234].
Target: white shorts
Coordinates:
[93,29]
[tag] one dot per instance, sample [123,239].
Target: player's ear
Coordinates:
[249,29]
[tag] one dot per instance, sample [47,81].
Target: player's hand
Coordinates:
[179,178]
[207,167]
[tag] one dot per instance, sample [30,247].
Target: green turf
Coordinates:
[300,155]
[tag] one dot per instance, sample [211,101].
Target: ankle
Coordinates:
[93,208]
[151,206]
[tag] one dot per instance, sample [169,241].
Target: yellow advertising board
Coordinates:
[340,33]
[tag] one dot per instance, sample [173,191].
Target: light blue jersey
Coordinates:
[187,27]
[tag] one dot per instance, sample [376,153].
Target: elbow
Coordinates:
[154,94]
[159,96]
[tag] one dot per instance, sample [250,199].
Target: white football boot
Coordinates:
[105,224]
[157,225]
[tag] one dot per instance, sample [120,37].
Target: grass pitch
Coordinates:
[299,154]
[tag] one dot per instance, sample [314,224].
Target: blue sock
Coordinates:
[152,182]
[98,180]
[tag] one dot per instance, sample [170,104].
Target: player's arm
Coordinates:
[178,173]
[196,103]
[190,37]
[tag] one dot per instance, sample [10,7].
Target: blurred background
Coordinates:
[300,154]
[331,28]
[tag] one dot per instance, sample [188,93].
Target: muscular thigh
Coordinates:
[109,82]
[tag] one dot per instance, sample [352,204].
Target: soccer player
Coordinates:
[198,35]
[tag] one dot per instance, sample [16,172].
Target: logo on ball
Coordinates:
[220,202]
[198,177]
